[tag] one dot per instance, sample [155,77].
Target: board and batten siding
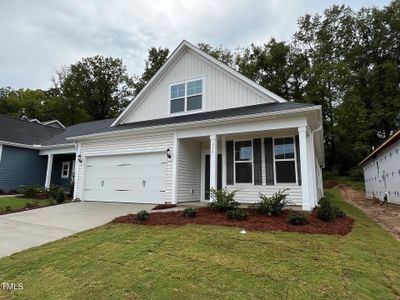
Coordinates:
[189,166]
[387,178]
[222,90]
[20,166]
[129,144]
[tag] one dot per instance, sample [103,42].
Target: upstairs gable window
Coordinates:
[186,96]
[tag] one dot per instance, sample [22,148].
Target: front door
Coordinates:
[207,175]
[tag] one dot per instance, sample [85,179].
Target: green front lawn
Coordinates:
[210,262]
[18,203]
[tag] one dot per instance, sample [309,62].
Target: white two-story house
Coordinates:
[196,125]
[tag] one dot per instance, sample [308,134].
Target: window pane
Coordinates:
[178,90]
[244,172]
[194,87]
[177,105]
[194,102]
[285,172]
[243,151]
[284,148]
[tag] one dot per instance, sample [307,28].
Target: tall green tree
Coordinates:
[99,85]
[155,60]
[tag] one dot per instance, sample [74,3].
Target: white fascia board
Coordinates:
[209,122]
[1,151]
[20,145]
[171,60]
[65,150]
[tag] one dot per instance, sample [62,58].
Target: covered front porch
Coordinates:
[60,169]
[250,163]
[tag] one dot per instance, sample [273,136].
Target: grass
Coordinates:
[18,203]
[347,181]
[209,262]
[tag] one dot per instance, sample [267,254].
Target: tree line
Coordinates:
[344,60]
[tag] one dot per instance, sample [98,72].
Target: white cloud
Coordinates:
[38,37]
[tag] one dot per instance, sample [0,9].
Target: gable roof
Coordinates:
[183,46]
[25,132]
[390,141]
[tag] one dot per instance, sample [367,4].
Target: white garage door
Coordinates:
[138,178]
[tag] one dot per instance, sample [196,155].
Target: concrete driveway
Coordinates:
[23,230]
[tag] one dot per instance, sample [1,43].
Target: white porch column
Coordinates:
[48,171]
[305,186]
[312,171]
[213,162]
[77,166]
[175,169]
[223,148]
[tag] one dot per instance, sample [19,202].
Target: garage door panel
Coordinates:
[138,178]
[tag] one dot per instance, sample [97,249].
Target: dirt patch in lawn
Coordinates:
[340,226]
[387,215]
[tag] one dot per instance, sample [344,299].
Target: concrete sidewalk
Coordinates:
[23,230]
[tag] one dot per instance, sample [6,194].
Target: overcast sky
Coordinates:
[38,37]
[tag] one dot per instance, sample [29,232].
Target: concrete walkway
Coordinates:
[23,230]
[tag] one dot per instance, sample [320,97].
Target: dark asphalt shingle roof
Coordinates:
[25,132]
[59,136]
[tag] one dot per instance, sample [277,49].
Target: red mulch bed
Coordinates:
[38,196]
[164,206]
[340,226]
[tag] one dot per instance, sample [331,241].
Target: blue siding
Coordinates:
[56,170]
[20,166]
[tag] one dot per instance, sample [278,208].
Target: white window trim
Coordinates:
[68,164]
[285,159]
[186,112]
[247,161]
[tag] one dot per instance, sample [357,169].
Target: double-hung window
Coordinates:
[243,162]
[65,169]
[285,161]
[186,96]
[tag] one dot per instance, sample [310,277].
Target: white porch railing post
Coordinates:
[213,162]
[305,188]
[48,170]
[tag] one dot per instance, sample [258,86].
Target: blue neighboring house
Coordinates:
[24,158]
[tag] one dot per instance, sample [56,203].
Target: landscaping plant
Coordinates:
[237,214]
[298,219]
[190,212]
[223,200]
[60,196]
[29,191]
[326,211]
[339,213]
[142,215]
[272,205]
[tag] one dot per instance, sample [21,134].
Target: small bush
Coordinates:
[223,200]
[29,205]
[272,205]
[60,196]
[237,214]
[142,215]
[190,212]
[298,219]
[29,191]
[326,211]
[339,213]
[53,191]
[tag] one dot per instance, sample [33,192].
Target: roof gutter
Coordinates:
[216,120]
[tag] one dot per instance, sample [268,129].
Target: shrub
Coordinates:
[237,214]
[272,205]
[142,215]
[29,191]
[190,212]
[326,211]
[60,196]
[298,219]
[29,205]
[223,200]
[53,191]
[339,213]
